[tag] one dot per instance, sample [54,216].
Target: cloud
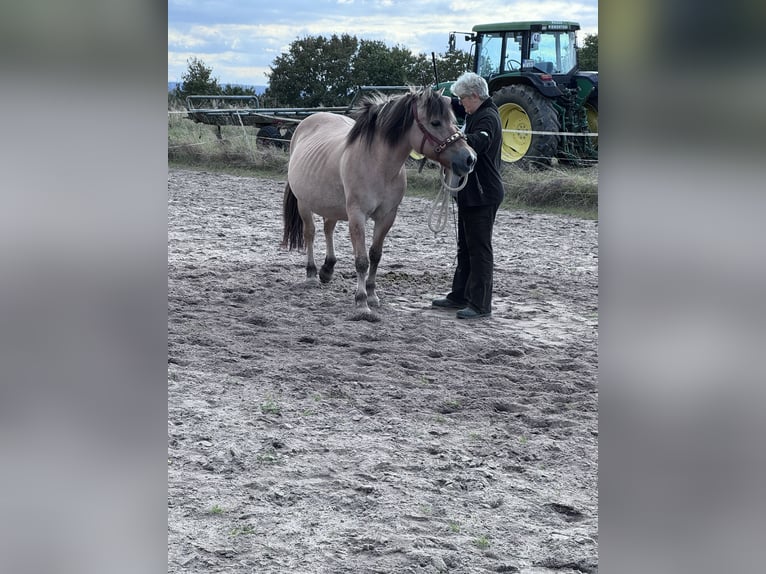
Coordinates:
[182,41]
[215,31]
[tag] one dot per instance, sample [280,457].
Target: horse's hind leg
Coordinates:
[309,232]
[325,273]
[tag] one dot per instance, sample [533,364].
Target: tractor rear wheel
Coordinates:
[269,136]
[524,108]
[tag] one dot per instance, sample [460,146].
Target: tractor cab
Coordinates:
[533,78]
[547,48]
[543,52]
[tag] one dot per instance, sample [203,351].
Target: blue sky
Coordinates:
[240,39]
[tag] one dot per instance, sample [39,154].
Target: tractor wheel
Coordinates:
[524,108]
[269,136]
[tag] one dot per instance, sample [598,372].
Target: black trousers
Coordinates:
[472,282]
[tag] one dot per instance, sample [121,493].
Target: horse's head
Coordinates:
[435,134]
[423,119]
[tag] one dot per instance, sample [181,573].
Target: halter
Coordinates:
[438,146]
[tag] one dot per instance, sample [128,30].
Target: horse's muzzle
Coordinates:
[463,162]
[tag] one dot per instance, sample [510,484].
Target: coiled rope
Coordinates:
[450,186]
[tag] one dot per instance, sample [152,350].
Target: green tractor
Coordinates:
[545,101]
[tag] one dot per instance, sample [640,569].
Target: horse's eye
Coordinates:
[436,123]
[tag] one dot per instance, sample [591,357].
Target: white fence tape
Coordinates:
[580,134]
[533,132]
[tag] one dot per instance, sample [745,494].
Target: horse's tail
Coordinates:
[292,237]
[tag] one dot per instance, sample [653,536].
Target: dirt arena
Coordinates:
[301,441]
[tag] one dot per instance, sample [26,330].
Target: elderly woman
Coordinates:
[477,203]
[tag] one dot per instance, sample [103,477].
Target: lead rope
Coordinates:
[440,205]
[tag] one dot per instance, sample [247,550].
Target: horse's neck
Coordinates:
[389,160]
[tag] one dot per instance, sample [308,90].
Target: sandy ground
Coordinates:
[303,441]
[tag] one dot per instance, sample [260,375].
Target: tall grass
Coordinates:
[195,144]
[560,189]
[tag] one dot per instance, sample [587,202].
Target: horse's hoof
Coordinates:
[365,315]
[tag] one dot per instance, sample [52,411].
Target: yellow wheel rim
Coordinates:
[591,115]
[515,144]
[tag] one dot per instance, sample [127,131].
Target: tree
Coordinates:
[314,72]
[197,80]
[232,90]
[317,71]
[374,64]
[587,56]
[449,66]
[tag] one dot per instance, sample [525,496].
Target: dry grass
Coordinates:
[562,189]
[562,186]
[191,143]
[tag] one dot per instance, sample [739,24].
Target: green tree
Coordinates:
[314,72]
[231,90]
[317,71]
[375,64]
[422,71]
[449,66]
[198,80]
[587,56]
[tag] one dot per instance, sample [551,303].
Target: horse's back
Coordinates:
[322,132]
[313,171]
[334,125]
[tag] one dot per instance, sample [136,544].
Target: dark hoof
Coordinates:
[325,276]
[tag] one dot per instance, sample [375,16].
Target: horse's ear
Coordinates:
[439,92]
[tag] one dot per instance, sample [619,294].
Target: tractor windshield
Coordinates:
[489,50]
[492,60]
[553,52]
[550,52]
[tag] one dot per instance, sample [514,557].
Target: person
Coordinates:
[477,203]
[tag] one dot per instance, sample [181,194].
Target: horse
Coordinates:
[352,168]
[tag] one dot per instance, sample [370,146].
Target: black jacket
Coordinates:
[485,136]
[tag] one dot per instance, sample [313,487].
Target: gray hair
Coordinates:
[468,84]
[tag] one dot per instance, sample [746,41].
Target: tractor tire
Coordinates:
[524,108]
[269,136]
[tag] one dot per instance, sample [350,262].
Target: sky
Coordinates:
[240,39]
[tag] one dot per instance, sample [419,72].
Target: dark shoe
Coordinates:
[469,313]
[447,304]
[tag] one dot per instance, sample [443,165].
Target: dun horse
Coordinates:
[352,168]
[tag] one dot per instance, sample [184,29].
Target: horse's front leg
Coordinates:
[382,227]
[356,223]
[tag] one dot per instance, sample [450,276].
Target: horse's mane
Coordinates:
[392,116]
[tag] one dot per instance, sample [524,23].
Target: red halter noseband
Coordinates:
[438,146]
